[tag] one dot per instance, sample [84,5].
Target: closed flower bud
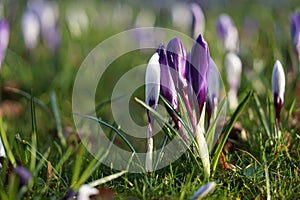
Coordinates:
[278,89]
[199,63]
[227,32]
[176,59]
[198,23]
[233,67]
[4,38]
[295,31]
[30,28]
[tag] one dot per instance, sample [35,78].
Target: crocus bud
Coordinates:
[227,32]
[167,86]
[30,28]
[176,58]
[198,23]
[233,67]
[278,89]
[199,62]
[23,174]
[203,191]
[4,38]
[152,81]
[213,89]
[295,31]
[85,191]
[2,150]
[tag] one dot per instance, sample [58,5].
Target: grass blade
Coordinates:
[57,119]
[9,153]
[261,115]
[106,179]
[33,135]
[227,130]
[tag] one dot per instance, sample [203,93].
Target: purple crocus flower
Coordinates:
[167,86]
[4,39]
[198,23]
[199,63]
[295,31]
[176,59]
[23,174]
[227,32]
[48,14]
[278,89]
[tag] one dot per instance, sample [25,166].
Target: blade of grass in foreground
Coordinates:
[9,153]
[28,96]
[261,114]
[57,119]
[113,128]
[106,179]
[33,135]
[227,130]
[160,118]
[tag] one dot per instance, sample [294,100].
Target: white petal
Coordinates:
[85,191]
[213,81]
[30,29]
[152,79]
[278,80]
[233,66]
[2,150]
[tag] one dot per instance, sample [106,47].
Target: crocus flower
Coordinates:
[152,81]
[227,32]
[167,86]
[198,23]
[23,174]
[278,89]
[203,191]
[295,31]
[199,63]
[85,191]
[212,90]
[2,150]
[30,28]
[4,38]
[176,57]
[233,67]
[48,14]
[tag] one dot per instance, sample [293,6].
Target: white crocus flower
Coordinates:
[152,81]
[278,89]
[233,67]
[85,191]
[30,29]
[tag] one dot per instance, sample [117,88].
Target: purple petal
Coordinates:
[167,86]
[199,67]
[23,174]
[4,38]
[295,31]
[176,59]
[198,23]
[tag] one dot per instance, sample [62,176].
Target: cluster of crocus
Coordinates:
[4,39]
[41,17]
[278,89]
[295,32]
[229,35]
[172,72]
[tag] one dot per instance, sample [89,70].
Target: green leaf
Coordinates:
[227,130]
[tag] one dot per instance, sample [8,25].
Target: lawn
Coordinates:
[73,111]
